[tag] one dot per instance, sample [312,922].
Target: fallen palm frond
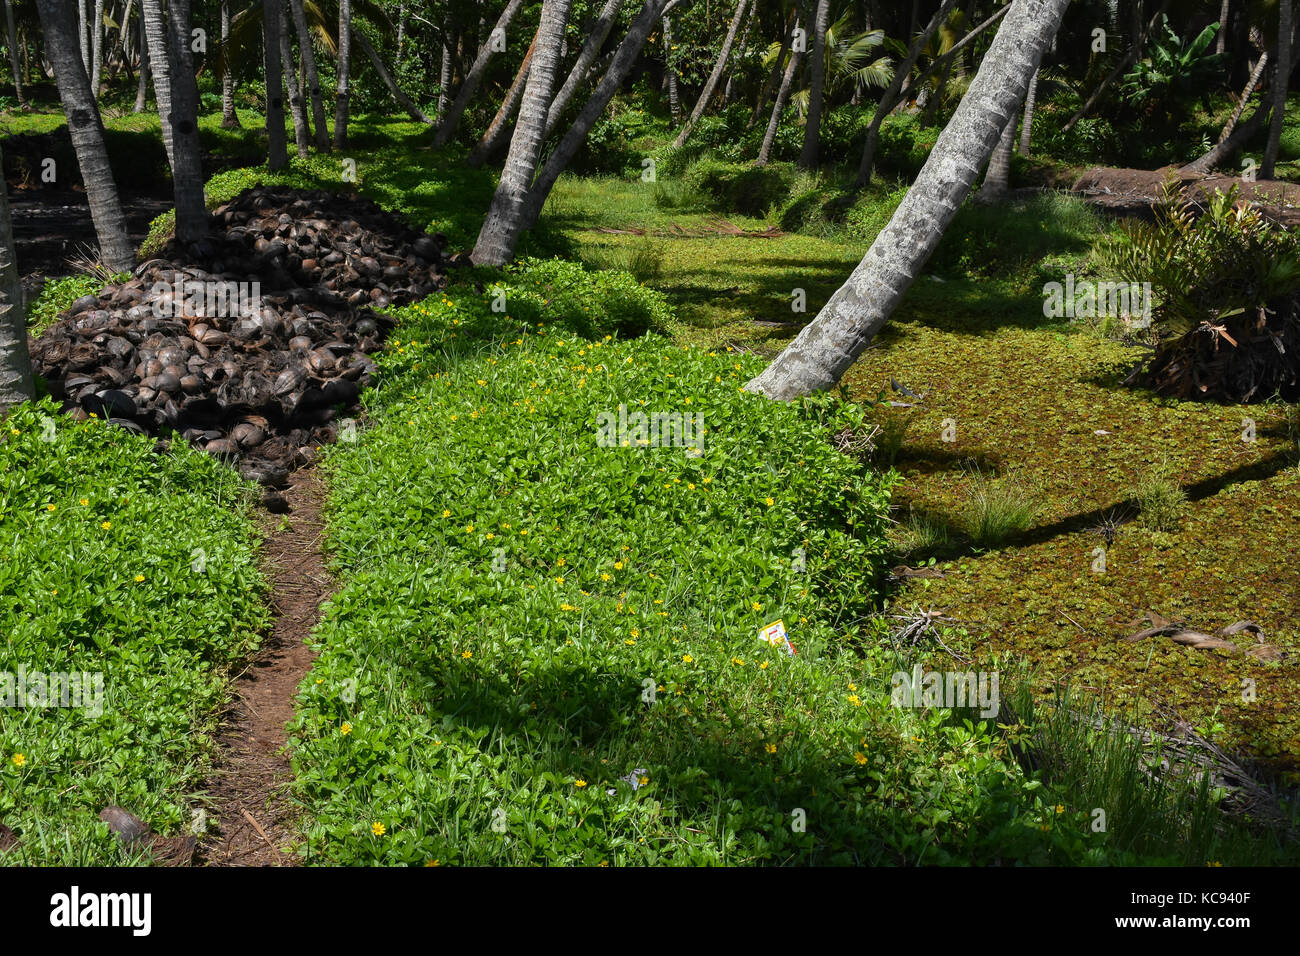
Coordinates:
[1199,640]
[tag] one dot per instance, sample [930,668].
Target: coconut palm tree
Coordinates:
[12,34]
[1027,122]
[825,349]
[297,109]
[155,32]
[86,130]
[344,65]
[308,55]
[448,121]
[15,363]
[504,221]
[765,151]
[812,125]
[187,165]
[494,136]
[1281,78]
[278,149]
[586,56]
[229,118]
[711,84]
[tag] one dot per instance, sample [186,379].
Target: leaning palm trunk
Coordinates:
[341,91]
[769,84]
[187,167]
[278,150]
[229,118]
[495,136]
[321,129]
[586,56]
[821,354]
[765,151]
[86,130]
[1027,123]
[400,98]
[568,146]
[444,78]
[15,363]
[13,54]
[469,86]
[998,177]
[812,126]
[155,33]
[745,35]
[1281,79]
[1255,75]
[711,84]
[297,109]
[83,35]
[891,97]
[504,222]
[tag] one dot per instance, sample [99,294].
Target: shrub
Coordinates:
[740,188]
[58,294]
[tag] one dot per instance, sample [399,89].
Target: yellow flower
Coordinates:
[85,501]
[377,829]
[635,633]
[49,507]
[618,565]
[19,760]
[106,525]
[763,666]
[853,699]
[560,579]
[469,528]
[738,662]
[1060,809]
[687,659]
[446,513]
[579,784]
[707,479]
[629,642]
[433,862]
[139,578]
[345,729]
[559,563]
[853,686]
[770,748]
[466,655]
[690,486]
[756,606]
[604,576]
[860,758]
[769,502]
[643,780]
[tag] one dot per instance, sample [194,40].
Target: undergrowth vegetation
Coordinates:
[138,570]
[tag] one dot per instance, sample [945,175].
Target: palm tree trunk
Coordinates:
[142,82]
[321,128]
[586,56]
[1027,123]
[998,177]
[229,118]
[344,65]
[451,119]
[444,78]
[13,54]
[821,354]
[773,75]
[394,90]
[812,126]
[1281,80]
[86,130]
[83,36]
[891,97]
[787,78]
[277,147]
[494,137]
[504,222]
[187,167]
[1131,57]
[1255,75]
[569,144]
[15,363]
[674,97]
[1223,27]
[297,109]
[745,34]
[96,46]
[711,84]
[155,32]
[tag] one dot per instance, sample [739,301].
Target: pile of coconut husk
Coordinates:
[249,343]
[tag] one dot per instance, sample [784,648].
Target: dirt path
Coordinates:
[250,816]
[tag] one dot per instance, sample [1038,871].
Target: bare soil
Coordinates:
[1136,191]
[252,819]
